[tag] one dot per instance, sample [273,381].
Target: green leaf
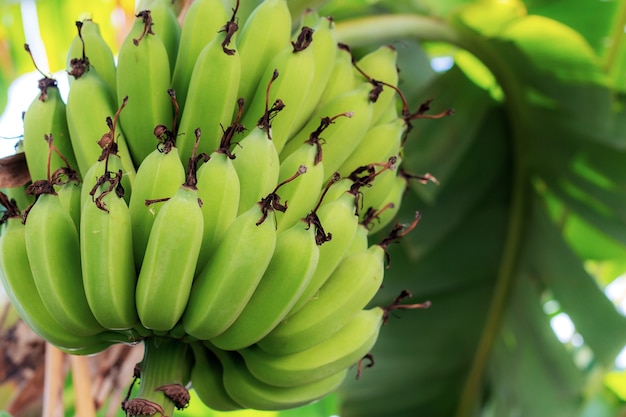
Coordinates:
[541,376]
[437,146]
[548,260]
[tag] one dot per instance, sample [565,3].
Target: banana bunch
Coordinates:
[212,194]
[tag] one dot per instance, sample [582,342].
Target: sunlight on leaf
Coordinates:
[490,17]
[555,48]
[616,381]
[478,73]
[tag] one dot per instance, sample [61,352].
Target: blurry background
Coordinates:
[522,245]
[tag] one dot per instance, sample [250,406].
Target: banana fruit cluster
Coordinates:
[212,195]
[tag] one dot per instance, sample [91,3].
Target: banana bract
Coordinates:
[224,271]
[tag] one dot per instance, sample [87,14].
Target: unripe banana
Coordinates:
[165,25]
[108,161]
[212,92]
[248,391]
[340,221]
[380,66]
[18,194]
[19,285]
[360,240]
[46,116]
[342,78]
[335,354]
[338,187]
[380,142]
[382,182]
[258,45]
[89,105]
[172,251]
[394,197]
[344,135]
[69,192]
[207,380]
[296,69]
[97,170]
[390,114]
[107,261]
[160,174]
[324,60]
[287,275]
[257,167]
[219,190]
[54,253]
[203,20]
[143,75]
[99,53]
[349,289]
[224,287]
[303,195]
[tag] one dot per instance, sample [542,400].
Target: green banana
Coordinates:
[219,190]
[335,354]
[19,285]
[108,161]
[287,275]
[207,381]
[165,25]
[350,287]
[54,252]
[360,240]
[18,194]
[143,75]
[172,252]
[379,67]
[303,195]
[107,262]
[381,182]
[342,78]
[257,165]
[393,198]
[215,76]
[69,191]
[340,220]
[258,45]
[296,69]
[99,53]
[203,20]
[379,143]
[98,169]
[160,174]
[390,114]
[248,391]
[223,288]
[323,59]
[46,116]
[89,105]
[337,187]
[343,136]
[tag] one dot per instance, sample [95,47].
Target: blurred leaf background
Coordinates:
[527,226]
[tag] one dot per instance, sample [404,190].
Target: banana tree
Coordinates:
[521,194]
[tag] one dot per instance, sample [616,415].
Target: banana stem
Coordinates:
[388,28]
[163,373]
